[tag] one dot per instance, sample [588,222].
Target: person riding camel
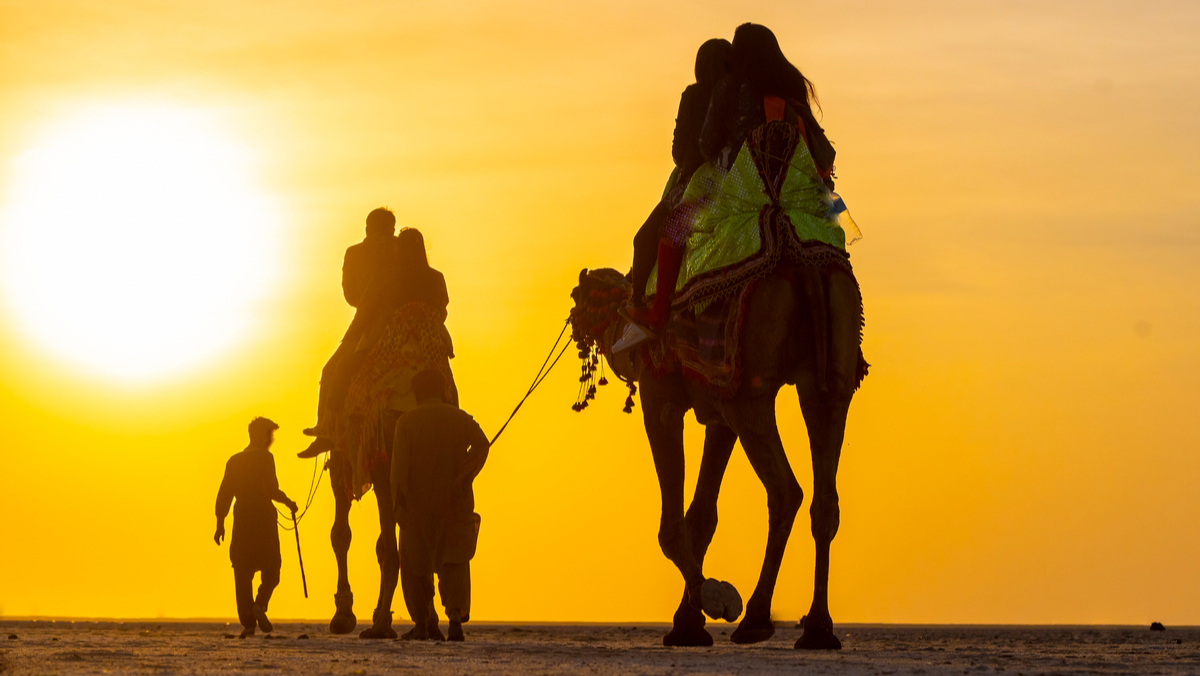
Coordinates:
[410,279]
[762,86]
[403,277]
[364,263]
[711,65]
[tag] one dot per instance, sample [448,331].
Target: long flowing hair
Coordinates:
[757,56]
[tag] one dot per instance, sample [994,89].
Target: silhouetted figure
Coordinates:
[250,480]
[711,65]
[398,331]
[762,85]
[760,71]
[798,313]
[408,279]
[438,450]
[363,265]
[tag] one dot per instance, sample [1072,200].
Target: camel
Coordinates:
[802,327]
[362,450]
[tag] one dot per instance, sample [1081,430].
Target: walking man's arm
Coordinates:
[477,453]
[224,502]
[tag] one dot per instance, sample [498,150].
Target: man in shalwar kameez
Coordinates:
[254,547]
[438,451]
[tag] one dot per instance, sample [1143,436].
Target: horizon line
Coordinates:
[777,622]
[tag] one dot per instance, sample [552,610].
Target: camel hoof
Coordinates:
[752,631]
[417,633]
[382,628]
[688,637]
[378,631]
[818,639]
[343,621]
[720,600]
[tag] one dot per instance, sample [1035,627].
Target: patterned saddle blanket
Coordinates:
[413,340]
[771,202]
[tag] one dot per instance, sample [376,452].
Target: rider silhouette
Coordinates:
[364,265]
[711,64]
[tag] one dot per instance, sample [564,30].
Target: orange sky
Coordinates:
[1025,176]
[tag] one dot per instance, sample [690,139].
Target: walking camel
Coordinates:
[803,327]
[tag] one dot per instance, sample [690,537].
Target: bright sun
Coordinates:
[134,243]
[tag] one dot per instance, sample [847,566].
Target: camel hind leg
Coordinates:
[826,421]
[688,624]
[825,416]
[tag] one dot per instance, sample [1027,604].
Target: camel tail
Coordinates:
[860,370]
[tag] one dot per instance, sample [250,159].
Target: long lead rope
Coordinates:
[541,375]
[319,467]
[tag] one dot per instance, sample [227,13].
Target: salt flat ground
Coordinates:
[512,649]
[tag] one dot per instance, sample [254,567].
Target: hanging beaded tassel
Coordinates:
[587,376]
[599,294]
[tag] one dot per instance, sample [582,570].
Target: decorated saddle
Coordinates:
[413,340]
[772,203]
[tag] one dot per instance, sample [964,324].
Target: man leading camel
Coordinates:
[250,479]
[437,453]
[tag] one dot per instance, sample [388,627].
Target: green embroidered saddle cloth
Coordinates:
[772,199]
[770,204]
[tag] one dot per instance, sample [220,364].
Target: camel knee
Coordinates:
[340,536]
[702,522]
[672,538]
[784,502]
[826,516]
[387,553]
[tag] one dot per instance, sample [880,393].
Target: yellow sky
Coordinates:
[1025,176]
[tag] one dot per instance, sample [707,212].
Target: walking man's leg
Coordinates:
[269,581]
[454,583]
[418,598]
[243,587]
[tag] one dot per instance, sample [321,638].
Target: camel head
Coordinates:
[595,326]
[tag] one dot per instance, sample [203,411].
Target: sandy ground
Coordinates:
[191,647]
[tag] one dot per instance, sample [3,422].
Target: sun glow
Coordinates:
[134,243]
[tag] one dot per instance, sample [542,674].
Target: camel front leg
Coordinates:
[663,416]
[343,621]
[688,623]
